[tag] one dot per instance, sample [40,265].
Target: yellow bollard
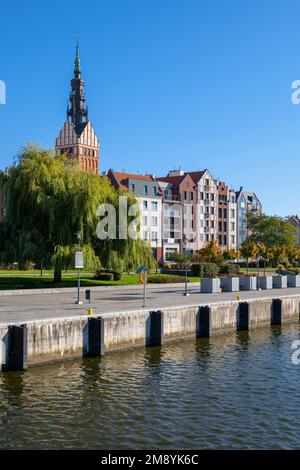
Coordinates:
[89,311]
[238,297]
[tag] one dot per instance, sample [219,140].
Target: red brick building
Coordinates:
[77,138]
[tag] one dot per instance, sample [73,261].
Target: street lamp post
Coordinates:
[78,264]
[186,269]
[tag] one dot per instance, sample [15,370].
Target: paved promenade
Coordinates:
[18,308]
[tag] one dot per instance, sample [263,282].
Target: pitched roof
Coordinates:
[196,175]
[125,176]
[174,180]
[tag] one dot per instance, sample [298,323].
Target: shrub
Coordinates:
[102,276]
[117,276]
[204,270]
[153,279]
[116,263]
[230,269]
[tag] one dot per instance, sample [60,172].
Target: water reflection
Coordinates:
[231,391]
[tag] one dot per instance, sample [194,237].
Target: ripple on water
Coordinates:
[229,392]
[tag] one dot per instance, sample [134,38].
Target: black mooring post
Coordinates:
[243,317]
[156,330]
[17,348]
[88,295]
[95,337]
[276,313]
[203,322]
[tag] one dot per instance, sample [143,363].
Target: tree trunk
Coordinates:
[57,275]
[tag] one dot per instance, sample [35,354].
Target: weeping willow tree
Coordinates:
[133,251]
[47,200]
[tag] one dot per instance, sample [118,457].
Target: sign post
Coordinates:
[143,271]
[78,265]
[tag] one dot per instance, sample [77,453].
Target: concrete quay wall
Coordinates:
[58,339]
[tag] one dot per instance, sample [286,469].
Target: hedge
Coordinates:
[204,270]
[153,279]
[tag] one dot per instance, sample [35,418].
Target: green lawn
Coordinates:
[31,280]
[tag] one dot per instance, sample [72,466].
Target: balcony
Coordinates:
[171,241]
[171,197]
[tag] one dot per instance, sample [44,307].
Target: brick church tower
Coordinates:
[77,138]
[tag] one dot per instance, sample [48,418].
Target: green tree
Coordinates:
[271,230]
[47,200]
[249,250]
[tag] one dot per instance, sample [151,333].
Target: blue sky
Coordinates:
[191,83]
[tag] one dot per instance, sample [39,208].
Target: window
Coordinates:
[154,236]
[225,213]
[225,226]
[232,213]
[220,239]
[232,239]
[145,220]
[232,226]
[145,235]
[207,196]
[154,189]
[206,182]
[220,226]
[212,210]
[154,222]
[145,190]
[212,196]
[145,205]
[220,213]
[201,196]
[132,186]
[184,195]
[212,224]
[154,206]
[225,239]
[191,196]
[206,237]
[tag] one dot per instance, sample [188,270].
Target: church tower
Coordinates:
[77,138]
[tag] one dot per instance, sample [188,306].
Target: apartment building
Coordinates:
[186,210]
[171,219]
[207,208]
[149,197]
[184,192]
[223,215]
[232,220]
[227,215]
[246,203]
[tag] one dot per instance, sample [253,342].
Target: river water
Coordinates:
[231,392]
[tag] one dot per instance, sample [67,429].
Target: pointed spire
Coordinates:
[77,60]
